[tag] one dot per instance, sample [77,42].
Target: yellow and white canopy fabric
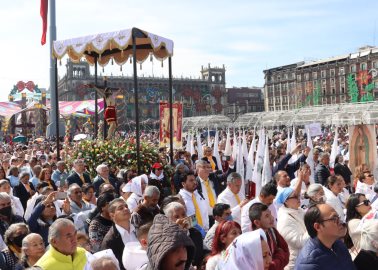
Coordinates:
[116,45]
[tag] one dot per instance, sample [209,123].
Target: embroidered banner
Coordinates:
[164,124]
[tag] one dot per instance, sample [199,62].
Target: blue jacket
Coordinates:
[315,256]
[37,225]
[283,165]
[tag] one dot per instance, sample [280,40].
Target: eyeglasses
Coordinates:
[334,219]
[364,202]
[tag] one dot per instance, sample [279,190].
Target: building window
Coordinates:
[285,76]
[293,76]
[342,89]
[332,82]
[324,82]
[333,91]
[375,64]
[306,77]
[314,75]
[376,84]
[332,72]
[353,68]
[342,79]
[299,77]
[323,74]
[341,71]
[363,66]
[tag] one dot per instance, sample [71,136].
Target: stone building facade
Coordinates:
[347,78]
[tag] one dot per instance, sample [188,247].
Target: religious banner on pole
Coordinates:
[164,134]
[362,146]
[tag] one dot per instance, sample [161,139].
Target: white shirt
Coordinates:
[367,190]
[246,222]
[127,236]
[133,256]
[133,201]
[374,204]
[190,209]
[17,206]
[228,197]
[335,202]
[204,193]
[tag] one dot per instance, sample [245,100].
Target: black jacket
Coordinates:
[366,260]
[75,178]
[321,174]
[21,192]
[113,241]
[98,181]
[344,171]
[214,160]
[219,181]
[291,168]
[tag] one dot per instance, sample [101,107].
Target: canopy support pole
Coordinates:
[57,111]
[96,105]
[170,110]
[134,30]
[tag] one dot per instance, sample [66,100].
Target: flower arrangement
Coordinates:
[119,154]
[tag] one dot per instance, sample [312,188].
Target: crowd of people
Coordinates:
[54,215]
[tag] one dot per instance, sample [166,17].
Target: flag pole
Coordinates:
[54,112]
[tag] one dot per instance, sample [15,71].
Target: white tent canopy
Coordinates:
[210,121]
[113,45]
[337,114]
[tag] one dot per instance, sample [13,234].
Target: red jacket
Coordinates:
[278,248]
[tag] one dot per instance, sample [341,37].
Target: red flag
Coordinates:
[43,11]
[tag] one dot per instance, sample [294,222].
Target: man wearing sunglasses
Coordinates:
[324,250]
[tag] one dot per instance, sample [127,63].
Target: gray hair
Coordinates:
[54,229]
[233,177]
[37,168]
[171,207]
[71,188]
[23,174]
[323,155]
[313,189]
[78,161]
[150,191]
[25,241]
[202,163]
[100,167]
[4,182]
[60,163]
[9,233]
[25,244]
[4,196]
[107,262]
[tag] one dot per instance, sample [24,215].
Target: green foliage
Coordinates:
[352,88]
[119,154]
[316,95]
[369,93]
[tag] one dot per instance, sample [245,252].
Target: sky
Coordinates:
[246,36]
